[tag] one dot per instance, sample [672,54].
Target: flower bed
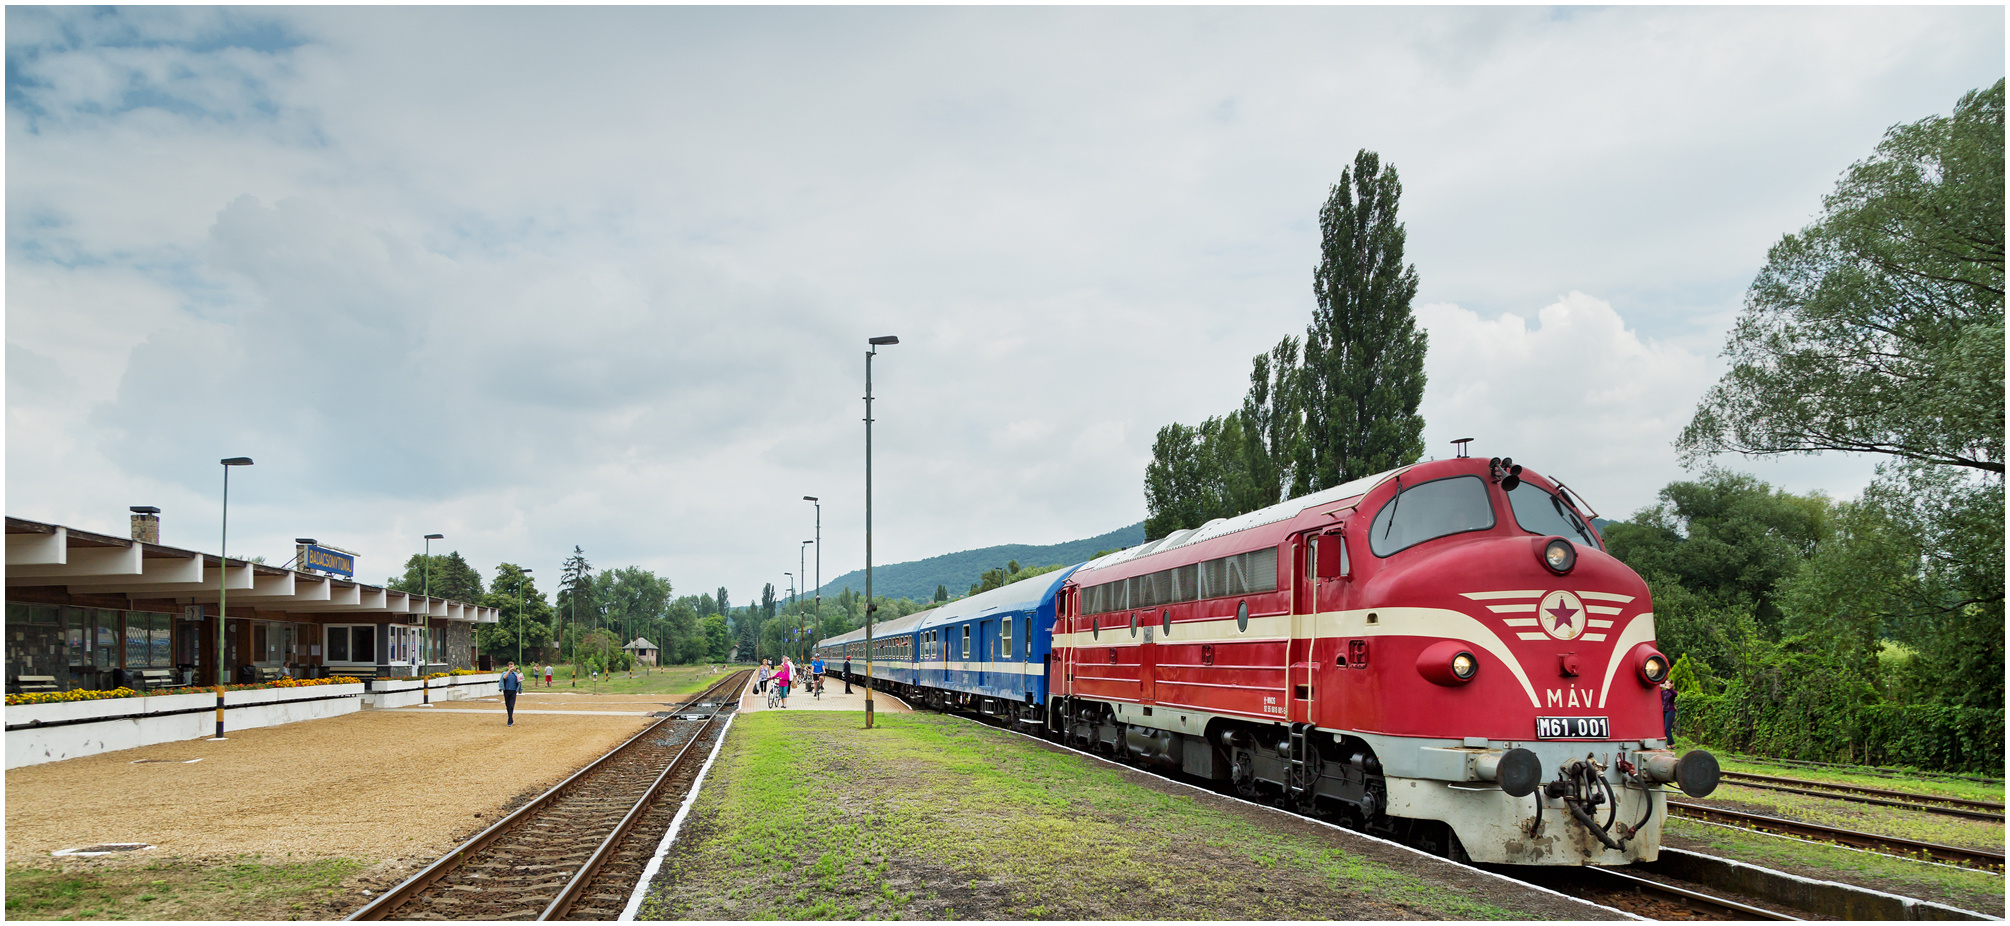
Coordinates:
[64,697]
[49,731]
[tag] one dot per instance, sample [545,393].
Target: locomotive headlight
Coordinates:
[1654,668]
[1559,555]
[1447,662]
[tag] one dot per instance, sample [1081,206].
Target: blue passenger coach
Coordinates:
[893,652]
[988,652]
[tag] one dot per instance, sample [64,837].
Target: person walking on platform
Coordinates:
[783,676]
[512,682]
[847,675]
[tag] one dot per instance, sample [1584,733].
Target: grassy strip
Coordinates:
[173,890]
[1966,790]
[665,680]
[1980,891]
[1868,818]
[929,817]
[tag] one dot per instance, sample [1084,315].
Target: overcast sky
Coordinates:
[538,277]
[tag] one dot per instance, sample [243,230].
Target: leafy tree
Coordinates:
[1273,418]
[576,605]
[524,619]
[635,602]
[717,644]
[1726,538]
[1879,328]
[1199,474]
[941,594]
[720,598]
[451,578]
[1364,355]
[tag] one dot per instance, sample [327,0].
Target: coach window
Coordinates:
[1005,650]
[1428,511]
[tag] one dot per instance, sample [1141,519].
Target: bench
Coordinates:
[359,673]
[156,679]
[25,684]
[253,675]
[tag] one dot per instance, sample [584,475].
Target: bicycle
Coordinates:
[817,688]
[774,695]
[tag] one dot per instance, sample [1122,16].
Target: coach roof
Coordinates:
[1221,527]
[1023,595]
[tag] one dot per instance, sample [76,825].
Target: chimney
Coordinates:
[146,523]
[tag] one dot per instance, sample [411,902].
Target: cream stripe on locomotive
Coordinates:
[1638,630]
[1211,630]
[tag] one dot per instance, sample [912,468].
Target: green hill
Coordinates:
[918,579]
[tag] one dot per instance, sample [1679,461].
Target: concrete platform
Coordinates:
[834,699]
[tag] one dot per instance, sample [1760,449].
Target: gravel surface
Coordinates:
[395,787]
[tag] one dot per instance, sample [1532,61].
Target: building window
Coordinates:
[352,643]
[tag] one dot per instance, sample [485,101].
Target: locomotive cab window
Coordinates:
[1539,512]
[1428,511]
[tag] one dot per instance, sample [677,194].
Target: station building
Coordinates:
[95,611]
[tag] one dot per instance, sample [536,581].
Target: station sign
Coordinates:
[323,559]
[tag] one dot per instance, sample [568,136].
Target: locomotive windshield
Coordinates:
[1539,512]
[1430,510]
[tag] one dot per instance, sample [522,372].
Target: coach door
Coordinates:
[1299,675]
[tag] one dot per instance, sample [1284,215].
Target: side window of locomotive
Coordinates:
[1428,511]
[1539,512]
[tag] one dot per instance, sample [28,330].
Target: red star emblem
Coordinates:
[1562,614]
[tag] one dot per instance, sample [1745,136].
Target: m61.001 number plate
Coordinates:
[1571,728]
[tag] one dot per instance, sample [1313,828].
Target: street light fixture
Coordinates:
[223,588]
[873,345]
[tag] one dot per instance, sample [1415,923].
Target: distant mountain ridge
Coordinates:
[919,578]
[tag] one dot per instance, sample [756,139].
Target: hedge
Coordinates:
[1794,723]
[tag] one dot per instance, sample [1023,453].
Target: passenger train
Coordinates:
[1443,653]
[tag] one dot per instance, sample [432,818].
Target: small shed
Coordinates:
[645,651]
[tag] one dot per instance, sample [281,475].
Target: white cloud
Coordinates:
[537,277]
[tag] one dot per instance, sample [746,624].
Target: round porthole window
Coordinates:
[1134,623]
[1165,622]
[1241,616]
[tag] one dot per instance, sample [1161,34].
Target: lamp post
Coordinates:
[223,588]
[522,608]
[872,349]
[802,621]
[819,541]
[426,616]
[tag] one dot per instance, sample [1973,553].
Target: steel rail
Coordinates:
[1874,771]
[1893,845]
[569,894]
[412,887]
[1876,796]
[1864,789]
[1681,895]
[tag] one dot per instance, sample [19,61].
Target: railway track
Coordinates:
[1928,803]
[567,854]
[1653,899]
[1890,845]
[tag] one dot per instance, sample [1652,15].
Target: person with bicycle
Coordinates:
[783,676]
[817,677]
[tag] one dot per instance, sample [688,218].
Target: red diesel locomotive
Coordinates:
[1443,653]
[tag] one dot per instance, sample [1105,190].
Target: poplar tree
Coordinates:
[1364,356]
